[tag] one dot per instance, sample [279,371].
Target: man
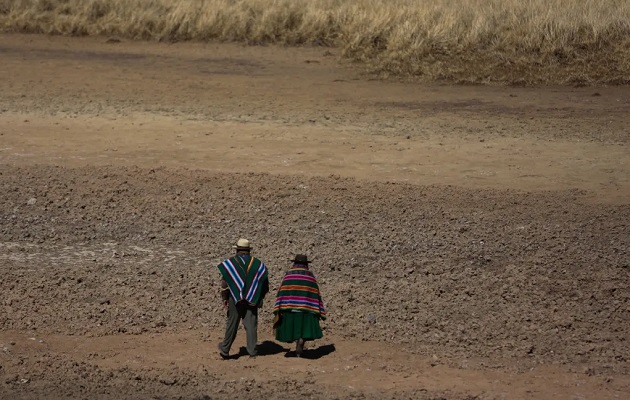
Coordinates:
[244,284]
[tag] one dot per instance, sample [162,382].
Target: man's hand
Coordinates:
[225,303]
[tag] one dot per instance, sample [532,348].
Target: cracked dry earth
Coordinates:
[470,242]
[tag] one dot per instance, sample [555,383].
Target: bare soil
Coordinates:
[470,242]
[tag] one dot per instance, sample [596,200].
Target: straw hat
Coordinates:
[242,244]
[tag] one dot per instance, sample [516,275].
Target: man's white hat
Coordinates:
[242,244]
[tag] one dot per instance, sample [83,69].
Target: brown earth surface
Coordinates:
[470,242]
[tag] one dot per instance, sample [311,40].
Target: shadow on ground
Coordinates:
[269,348]
[266,348]
[314,354]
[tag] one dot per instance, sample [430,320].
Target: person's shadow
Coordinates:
[314,354]
[269,348]
[266,348]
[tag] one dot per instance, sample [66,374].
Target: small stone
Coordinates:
[159,324]
[168,380]
[31,201]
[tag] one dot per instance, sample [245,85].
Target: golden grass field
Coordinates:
[577,42]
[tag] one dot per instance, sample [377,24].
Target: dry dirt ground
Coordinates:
[470,242]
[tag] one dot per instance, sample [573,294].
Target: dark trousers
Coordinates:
[236,313]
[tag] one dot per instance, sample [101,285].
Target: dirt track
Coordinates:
[471,242]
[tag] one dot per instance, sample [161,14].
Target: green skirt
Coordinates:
[298,325]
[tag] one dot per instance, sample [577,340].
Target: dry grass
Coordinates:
[479,41]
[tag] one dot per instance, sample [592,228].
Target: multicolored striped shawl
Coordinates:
[299,292]
[245,276]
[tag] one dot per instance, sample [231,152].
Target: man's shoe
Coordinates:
[223,354]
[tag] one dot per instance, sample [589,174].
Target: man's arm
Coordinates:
[265,289]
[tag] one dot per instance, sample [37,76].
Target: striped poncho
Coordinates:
[245,276]
[299,292]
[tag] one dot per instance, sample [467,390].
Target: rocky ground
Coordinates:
[112,224]
[515,277]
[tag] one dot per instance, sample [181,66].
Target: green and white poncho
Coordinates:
[245,276]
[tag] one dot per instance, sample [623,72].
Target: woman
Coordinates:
[299,306]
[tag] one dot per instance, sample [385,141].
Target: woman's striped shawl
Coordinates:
[299,292]
[245,276]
